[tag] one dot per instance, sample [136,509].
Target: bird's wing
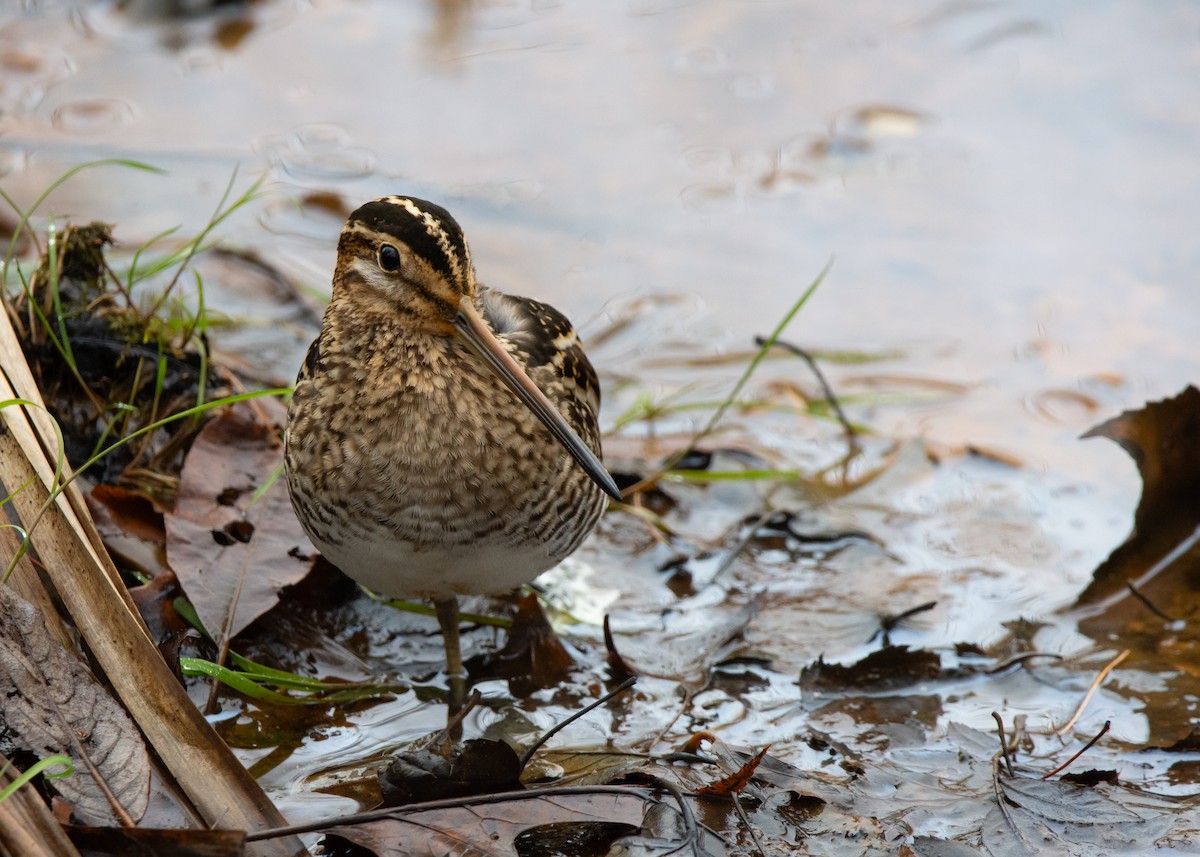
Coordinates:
[549,349]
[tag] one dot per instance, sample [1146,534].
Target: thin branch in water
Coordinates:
[852,447]
[1103,731]
[741,812]
[1096,682]
[887,624]
[558,727]
[1004,746]
[1019,658]
[691,829]
[1140,596]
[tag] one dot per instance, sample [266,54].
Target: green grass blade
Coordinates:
[38,767]
[238,681]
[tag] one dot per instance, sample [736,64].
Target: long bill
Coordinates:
[474,333]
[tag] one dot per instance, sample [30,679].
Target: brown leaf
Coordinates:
[738,780]
[131,527]
[1163,438]
[488,827]
[887,668]
[232,552]
[477,766]
[156,603]
[533,656]
[50,703]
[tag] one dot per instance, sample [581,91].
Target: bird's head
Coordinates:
[410,255]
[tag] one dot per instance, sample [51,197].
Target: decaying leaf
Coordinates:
[50,703]
[737,780]
[1163,438]
[682,646]
[888,668]
[533,656]
[493,825]
[476,766]
[131,527]
[1054,817]
[231,550]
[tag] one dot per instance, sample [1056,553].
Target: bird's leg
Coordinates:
[447,614]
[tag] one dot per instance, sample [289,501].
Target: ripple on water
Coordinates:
[27,71]
[92,116]
[320,151]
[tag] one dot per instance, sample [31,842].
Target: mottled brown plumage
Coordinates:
[411,462]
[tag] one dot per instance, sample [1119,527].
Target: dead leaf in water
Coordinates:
[1163,438]
[231,551]
[885,669]
[495,825]
[1052,817]
[476,766]
[533,656]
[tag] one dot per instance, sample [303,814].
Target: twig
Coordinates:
[689,818]
[453,726]
[741,811]
[1180,550]
[1103,730]
[1003,743]
[887,624]
[1091,692]
[558,727]
[1019,658]
[826,389]
[1137,593]
[741,544]
[114,803]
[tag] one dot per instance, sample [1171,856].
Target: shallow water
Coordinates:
[1009,193]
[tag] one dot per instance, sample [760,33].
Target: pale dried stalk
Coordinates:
[27,827]
[210,775]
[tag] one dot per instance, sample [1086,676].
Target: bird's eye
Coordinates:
[389,257]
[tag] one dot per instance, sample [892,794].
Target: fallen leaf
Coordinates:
[885,669]
[1163,438]
[685,641]
[1054,817]
[477,766]
[738,780]
[1059,801]
[50,703]
[231,550]
[131,527]
[932,846]
[533,656]
[493,826]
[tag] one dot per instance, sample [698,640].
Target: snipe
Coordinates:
[442,439]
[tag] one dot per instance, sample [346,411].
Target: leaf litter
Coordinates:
[760,611]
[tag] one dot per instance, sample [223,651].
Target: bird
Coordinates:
[442,439]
